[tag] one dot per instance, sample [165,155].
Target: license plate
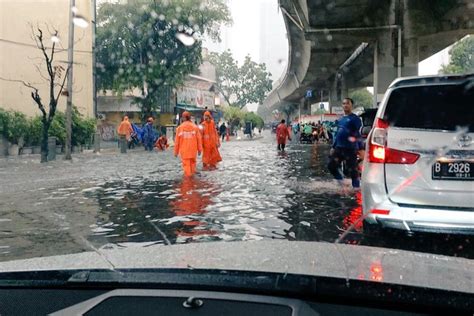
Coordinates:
[453,170]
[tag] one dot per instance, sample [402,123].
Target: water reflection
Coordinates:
[193,198]
[157,211]
[353,220]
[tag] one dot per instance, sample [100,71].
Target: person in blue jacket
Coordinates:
[149,135]
[346,145]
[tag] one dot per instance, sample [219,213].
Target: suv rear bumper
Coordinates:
[424,219]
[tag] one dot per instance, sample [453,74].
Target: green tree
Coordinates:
[153,45]
[362,97]
[234,116]
[461,58]
[289,109]
[241,85]
[256,120]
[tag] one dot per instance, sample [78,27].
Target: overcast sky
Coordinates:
[243,36]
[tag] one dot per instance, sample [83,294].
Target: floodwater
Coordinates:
[140,198]
[256,193]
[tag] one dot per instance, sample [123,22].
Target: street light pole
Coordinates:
[70,55]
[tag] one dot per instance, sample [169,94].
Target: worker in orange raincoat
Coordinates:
[282,134]
[188,144]
[125,128]
[162,143]
[210,143]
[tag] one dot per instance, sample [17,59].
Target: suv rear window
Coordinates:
[443,107]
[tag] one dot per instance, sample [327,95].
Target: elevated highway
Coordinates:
[339,45]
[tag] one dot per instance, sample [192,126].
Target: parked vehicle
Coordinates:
[420,154]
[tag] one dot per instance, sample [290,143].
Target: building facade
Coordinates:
[196,94]
[21,60]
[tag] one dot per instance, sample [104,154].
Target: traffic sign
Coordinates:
[309,94]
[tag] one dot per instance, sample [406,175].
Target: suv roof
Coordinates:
[431,80]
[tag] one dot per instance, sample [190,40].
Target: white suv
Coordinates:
[418,172]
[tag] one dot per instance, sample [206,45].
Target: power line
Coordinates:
[34,46]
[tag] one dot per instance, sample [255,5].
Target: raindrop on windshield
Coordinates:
[186,39]
[55,39]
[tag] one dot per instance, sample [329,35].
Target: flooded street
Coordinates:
[140,198]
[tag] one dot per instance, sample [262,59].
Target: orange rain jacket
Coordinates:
[210,143]
[188,140]
[125,128]
[282,133]
[162,143]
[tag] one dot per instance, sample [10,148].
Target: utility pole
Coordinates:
[94,68]
[70,58]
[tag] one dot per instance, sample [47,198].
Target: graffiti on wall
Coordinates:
[107,132]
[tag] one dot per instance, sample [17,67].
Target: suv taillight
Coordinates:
[378,151]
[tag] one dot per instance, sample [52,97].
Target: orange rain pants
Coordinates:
[189,166]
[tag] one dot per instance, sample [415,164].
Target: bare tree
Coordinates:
[56,77]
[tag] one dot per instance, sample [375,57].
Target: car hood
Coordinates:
[303,258]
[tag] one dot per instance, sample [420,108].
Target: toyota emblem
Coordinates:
[464,140]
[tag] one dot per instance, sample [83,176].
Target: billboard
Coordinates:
[195,97]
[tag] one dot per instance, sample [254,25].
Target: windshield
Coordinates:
[134,124]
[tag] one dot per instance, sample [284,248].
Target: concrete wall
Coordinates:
[19,55]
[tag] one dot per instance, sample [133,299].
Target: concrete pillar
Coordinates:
[339,91]
[387,65]
[344,89]
[304,106]
[97,142]
[3,146]
[51,148]
[332,96]
[396,50]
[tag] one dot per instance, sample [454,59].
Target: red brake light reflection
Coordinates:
[380,212]
[381,123]
[400,157]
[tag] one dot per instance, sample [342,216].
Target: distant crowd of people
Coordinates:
[145,135]
[313,132]
[347,145]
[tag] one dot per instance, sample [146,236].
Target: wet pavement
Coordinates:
[139,199]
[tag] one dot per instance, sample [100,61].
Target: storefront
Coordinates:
[196,96]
